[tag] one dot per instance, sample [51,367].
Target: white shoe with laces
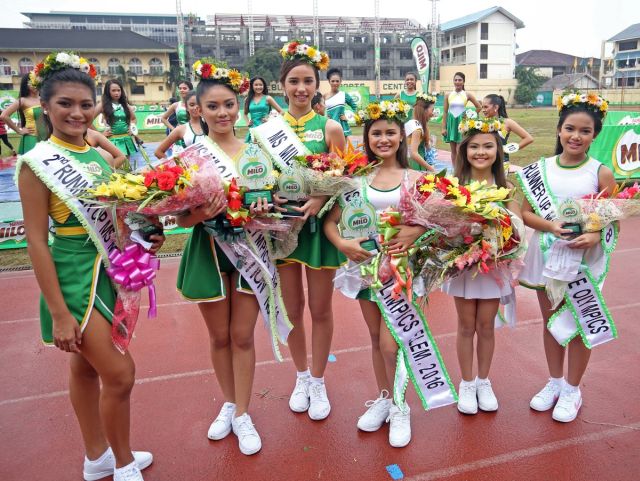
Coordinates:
[105,464]
[221,426]
[299,400]
[547,397]
[377,414]
[568,405]
[130,472]
[467,399]
[248,438]
[486,398]
[319,407]
[399,426]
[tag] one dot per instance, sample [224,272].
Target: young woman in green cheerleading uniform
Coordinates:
[78,298]
[258,104]
[32,127]
[118,115]
[208,277]
[409,94]
[179,109]
[300,80]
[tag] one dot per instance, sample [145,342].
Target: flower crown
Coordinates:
[209,69]
[472,124]
[387,109]
[296,49]
[429,98]
[56,61]
[590,101]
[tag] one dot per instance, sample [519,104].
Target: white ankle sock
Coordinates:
[304,373]
[479,379]
[558,381]
[101,457]
[468,383]
[569,388]
[316,380]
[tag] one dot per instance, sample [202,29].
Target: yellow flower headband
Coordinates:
[309,53]
[590,101]
[56,61]
[472,124]
[429,98]
[209,69]
[387,109]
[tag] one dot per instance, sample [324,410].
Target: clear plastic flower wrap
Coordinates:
[600,210]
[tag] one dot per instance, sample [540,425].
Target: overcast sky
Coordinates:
[575,27]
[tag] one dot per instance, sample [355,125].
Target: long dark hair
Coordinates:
[463,167]
[24,93]
[187,83]
[565,113]
[70,75]
[401,155]
[498,100]
[203,86]
[420,111]
[460,74]
[107,107]
[251,94]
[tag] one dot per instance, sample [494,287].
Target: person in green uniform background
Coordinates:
[408,95]
[32,127]
[300,80]
[336,100]
[118,115]
[78,298]
[422,154]
[179,108]
[258,104]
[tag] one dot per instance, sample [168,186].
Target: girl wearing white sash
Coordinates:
[189,133]
[78,298]
[477,296]
[384,139]
[208,277]
[570,174]
[300,80]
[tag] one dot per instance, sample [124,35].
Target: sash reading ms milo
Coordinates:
[279,140]
[584,310]
[251,255]
[67,178]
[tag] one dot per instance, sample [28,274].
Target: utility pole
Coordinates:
[435,51]
[180,21]
[252,40]
[316,24]
[376,47]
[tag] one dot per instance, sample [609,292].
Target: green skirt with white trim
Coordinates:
[315,250]
[83,281]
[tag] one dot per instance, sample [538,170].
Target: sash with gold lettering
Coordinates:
[584,311]
[253,258]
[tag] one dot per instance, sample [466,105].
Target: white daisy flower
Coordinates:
[63,57]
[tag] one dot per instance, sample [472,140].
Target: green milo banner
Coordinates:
[6,98]
[148,118]
[360,96]
[618,147]
[421,56]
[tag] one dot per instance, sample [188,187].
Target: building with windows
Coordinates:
[143,63]
[626,57]
[550,64]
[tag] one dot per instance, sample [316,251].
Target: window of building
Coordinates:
[232,52]
[283,38]
[484,52]
[137,90]
[385,54]
[483,70]
[626,82]
[628,63]
[335,54]
[25,65]
[360,54]
[135,66]
[406,54]
[385,73]
[405,70]
[484,31]
[628,45]
[113,66]
[359,39]
[359,73]
[6,86]
[259,37]
[5,66]
[155,66]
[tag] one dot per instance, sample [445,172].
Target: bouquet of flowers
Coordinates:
[331,173]
[600,210]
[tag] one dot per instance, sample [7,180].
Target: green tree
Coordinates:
[528,83]
[128,79]
[172,77]
[264,63]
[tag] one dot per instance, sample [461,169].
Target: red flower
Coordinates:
[38,69]
[206,70]
[505,221]
[92,71]
[467,239]
[149,178]
[292,47]
[466,193]
[166,181]
[244,86]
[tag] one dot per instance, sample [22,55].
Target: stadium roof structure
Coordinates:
[628,33]
[105,14]
[40,39]
[306,21]
[477,17]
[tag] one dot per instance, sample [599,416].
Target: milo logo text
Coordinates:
[254,170]
[359,220]
[570,212]
[291,186]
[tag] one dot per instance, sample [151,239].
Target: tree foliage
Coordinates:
[528,83]
[264,63]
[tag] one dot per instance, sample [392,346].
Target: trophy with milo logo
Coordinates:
[570,214]
[256,175]
[292,188]
[358,220]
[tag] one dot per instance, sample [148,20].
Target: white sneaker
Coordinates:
[130,472]
[568,405]
[467,400]
[221,426]
[377,414]
[319,407]
[486,398]
[299,400]
[248,438]
[547,397]
[399,426]
[105,464]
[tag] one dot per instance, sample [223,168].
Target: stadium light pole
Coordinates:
[376,46]
[180,22]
